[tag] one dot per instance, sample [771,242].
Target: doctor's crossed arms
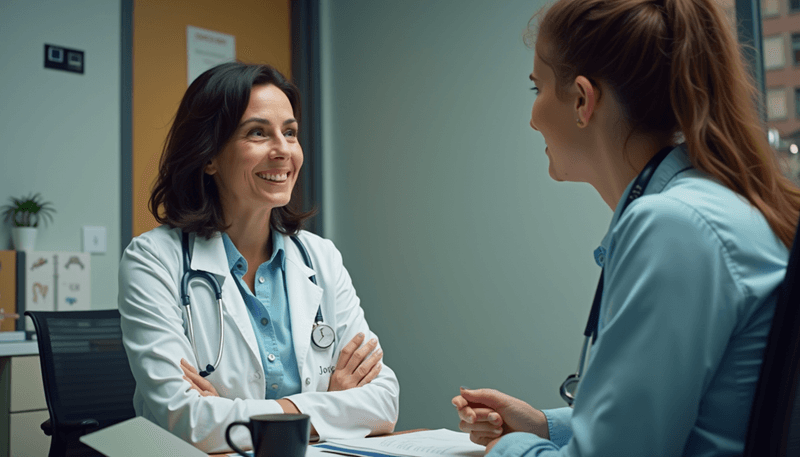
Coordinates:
[351,370]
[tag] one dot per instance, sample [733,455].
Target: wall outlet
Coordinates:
[94,239]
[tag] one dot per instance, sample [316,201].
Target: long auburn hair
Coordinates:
[184,195]
[677,68]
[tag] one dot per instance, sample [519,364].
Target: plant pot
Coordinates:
[24,238]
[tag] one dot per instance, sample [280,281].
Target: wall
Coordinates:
[262,31]
[474,267]
[60,130]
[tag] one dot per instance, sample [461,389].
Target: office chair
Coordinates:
[774,428]
[88,384]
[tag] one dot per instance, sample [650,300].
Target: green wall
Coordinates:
[59,131]
[473,266]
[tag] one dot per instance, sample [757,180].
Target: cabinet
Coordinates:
[23,407]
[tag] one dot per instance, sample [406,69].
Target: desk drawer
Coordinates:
[27,390]
[27,437]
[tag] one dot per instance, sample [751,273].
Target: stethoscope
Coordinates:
[570,385]
[322,334]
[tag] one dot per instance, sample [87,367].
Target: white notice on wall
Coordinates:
[206,49]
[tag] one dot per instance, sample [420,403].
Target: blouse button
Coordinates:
[308,381]
[264,321]
[271,357]
[274,387]
[261,280]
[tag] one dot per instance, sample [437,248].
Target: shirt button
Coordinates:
[264,321]
[257,375]
[271,357]
[274,387]
[261,280]
[308,381]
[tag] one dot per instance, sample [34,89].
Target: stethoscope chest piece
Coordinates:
[568,388]
[322,335]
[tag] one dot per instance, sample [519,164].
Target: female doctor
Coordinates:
[649,102]
[287,334]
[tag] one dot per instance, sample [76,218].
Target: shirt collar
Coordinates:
[675,162]
[237,262]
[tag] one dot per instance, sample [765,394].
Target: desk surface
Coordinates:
[16,348]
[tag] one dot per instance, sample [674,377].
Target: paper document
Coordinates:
[138,437]
[427,443]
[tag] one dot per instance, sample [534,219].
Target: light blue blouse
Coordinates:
[269,314]
[691,271]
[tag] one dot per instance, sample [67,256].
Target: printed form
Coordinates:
[428,443]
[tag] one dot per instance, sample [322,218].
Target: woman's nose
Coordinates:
[533,126]
[281,148]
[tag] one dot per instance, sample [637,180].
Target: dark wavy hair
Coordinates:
[184,195]
[676,67]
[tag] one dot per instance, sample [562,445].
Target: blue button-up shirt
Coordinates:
[691,271]
[269,314]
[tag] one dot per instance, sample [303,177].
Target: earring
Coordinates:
[580,122]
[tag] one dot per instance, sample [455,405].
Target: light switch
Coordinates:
[94,239]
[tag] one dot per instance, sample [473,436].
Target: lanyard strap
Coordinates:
[637,191]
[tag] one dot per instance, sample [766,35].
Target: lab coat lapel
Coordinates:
[209,255]
[305,298]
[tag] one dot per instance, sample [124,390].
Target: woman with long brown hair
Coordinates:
[650,103]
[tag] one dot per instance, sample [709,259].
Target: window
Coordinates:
[770,8]
[796,48]
[794,5]
[773,52]
[797,102]
[776,104]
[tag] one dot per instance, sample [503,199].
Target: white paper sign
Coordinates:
[206,49]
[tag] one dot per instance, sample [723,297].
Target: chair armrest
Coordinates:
[80,426]
[47,427]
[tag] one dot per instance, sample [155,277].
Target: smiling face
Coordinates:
[556,120]
[258,166]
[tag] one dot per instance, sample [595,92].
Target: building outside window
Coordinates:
[780,26]
[776,104]
[770,7]
[774,56]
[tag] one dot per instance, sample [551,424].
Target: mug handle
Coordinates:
[228,436]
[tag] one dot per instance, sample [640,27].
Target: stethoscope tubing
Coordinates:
[209,278]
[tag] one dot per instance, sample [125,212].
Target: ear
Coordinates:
[587,96]
[211,168]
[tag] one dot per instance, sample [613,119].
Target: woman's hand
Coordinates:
[197,382]
[487,414]
[352,370]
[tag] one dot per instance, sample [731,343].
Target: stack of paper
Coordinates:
[429,443]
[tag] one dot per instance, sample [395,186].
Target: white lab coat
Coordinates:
[155,333]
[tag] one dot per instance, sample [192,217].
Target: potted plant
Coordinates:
[25,214]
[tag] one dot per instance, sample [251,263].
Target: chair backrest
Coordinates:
[85,369]
[774,428]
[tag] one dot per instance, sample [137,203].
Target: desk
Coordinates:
[23,407]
